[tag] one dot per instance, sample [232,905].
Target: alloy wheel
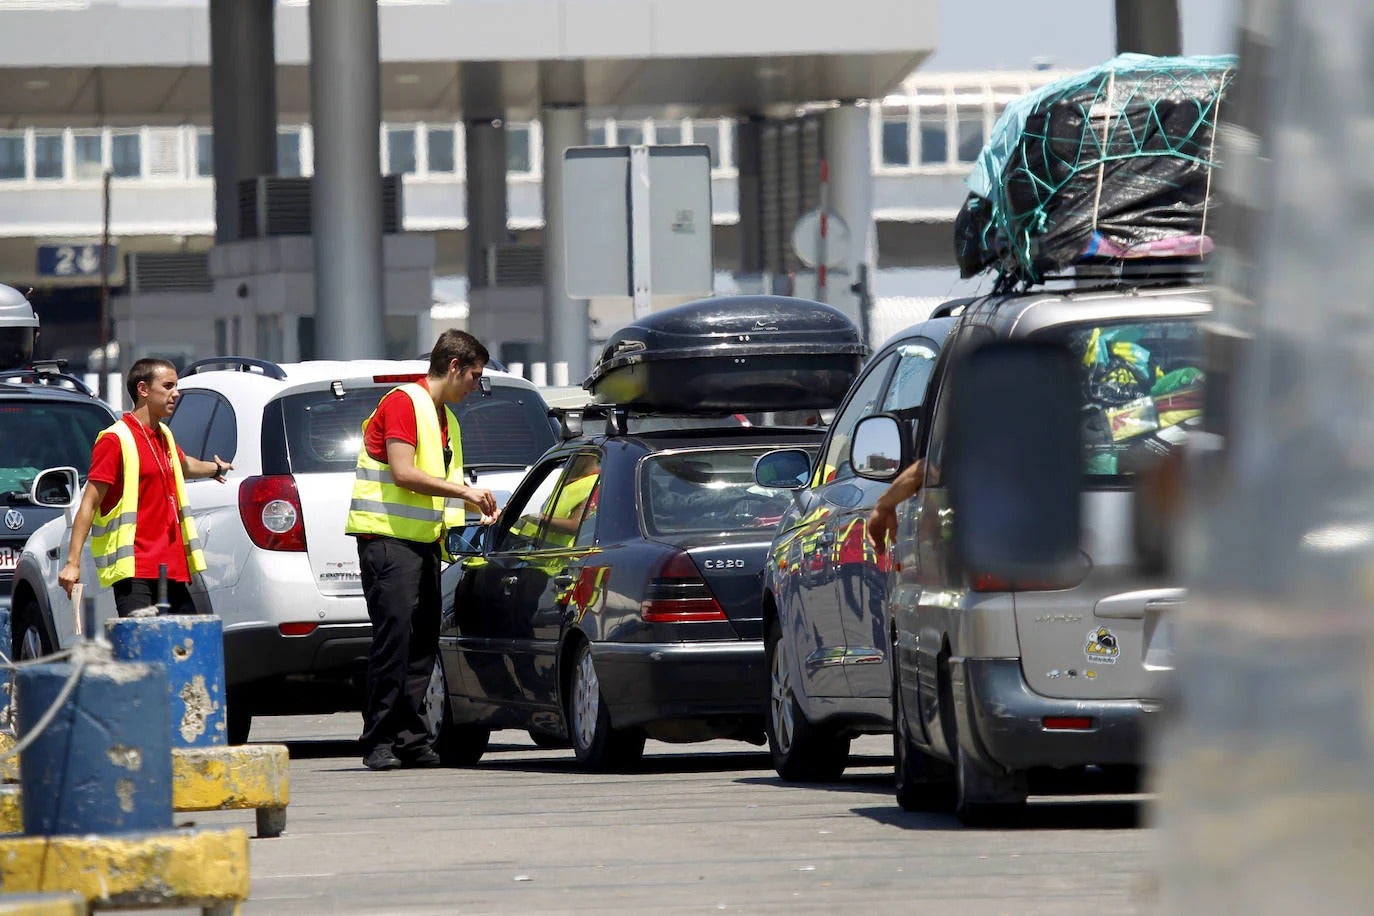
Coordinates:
[435,696]
[586,702]
[780,707]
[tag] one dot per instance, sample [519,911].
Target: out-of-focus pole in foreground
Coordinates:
[1265,763]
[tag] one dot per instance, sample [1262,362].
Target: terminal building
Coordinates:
[212,153]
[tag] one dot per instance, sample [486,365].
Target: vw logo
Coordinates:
[14,520]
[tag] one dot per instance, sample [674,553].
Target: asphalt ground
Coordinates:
[701,827]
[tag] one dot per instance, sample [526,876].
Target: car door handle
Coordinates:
[825,540]
[508,584]
[562,580]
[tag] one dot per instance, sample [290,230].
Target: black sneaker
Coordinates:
[382,758]
[422,757]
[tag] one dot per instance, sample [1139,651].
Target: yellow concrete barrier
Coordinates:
[242,776]
[54,904]
[11,811]
[9,766]
[183,868]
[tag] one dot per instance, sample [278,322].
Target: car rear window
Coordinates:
[707,490]
[46,434]
[323,433]
[1141,388]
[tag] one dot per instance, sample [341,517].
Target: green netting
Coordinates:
[1113,161]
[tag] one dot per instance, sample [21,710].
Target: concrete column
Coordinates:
[485,146]
[847,150]
[243,102]
[566,324]
[346,199]
[749,160]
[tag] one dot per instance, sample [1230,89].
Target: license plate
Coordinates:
[9,557]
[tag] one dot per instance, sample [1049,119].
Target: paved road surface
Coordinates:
[699,828]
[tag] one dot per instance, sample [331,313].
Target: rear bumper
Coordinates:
[648,682]
[999,720]
[330,653]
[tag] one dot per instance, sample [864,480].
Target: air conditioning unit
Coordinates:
[274,205]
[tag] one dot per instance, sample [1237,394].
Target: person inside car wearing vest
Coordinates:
[408,487]
[134,505]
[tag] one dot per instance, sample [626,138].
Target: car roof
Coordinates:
[39,391]
[937,329]
[317,371]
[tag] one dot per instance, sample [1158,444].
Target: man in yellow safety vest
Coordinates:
[407,488]
[134,505]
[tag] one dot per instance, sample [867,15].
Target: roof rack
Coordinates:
[236,364]
[45,372]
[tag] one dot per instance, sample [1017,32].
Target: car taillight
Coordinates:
[678,594]
[398,379]
[271,511]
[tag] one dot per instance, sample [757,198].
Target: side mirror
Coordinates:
[783,469]
[467,541]
[1013,462]
[57,487]
[876,450]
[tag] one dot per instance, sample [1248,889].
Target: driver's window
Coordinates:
[862,403]
[914,363]
[523,519]
[571,517]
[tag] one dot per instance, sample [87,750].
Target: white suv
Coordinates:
[282,574]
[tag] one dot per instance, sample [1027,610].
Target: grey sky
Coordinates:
[1072,34]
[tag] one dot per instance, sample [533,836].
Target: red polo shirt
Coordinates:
[157,531]
[395,419]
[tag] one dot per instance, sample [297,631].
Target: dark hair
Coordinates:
[143,371]
[460,345]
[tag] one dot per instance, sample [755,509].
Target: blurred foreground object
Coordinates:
[1265,766]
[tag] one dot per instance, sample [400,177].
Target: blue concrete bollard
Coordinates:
[191,647]
[104,763]
[6,675]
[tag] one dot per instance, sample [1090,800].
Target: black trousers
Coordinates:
[132,594]
[401,586]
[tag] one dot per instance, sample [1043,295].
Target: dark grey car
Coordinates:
[823,587]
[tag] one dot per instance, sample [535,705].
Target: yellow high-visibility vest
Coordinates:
[379,506]
[112,533]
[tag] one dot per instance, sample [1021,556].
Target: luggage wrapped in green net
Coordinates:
[1111,163]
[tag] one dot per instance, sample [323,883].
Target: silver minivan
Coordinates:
[995,681]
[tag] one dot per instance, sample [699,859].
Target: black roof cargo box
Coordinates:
[731,354]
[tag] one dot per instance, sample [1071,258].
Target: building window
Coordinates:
[596,133]
[896,140]
[12,157]
[88,157]
[518,157]
[47,156]
[970,141]
[439,144]
[205,153]
[289,152]
[934,137]
[708,132]
[400,150]
[629,133]
[669,134]
[126,160]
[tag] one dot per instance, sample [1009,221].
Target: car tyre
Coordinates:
[598,746]
[456,745]
[30,640]
[239,721]
[922,782]
[801,752]
[548,742]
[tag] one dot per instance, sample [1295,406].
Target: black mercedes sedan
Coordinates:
[617,597]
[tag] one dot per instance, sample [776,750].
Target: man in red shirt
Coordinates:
[158,535]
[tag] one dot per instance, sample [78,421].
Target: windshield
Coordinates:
[1141,388]
[323,433]
[46,434]
[707,490]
